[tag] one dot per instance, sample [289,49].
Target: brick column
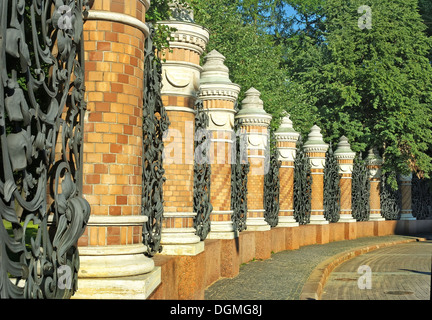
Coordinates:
[316,149]
[113,264]
[219,95]
[406,212]
[374,163]
[255,121]
[286,139]
[180,84]
[345,157]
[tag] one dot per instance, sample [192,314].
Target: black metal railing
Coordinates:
[302,185]
[332,190]
[271,183]
[360,190]
[155,123]
[42,107]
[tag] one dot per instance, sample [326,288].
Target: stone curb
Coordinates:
[313,288]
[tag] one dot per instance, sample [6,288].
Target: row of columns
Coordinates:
[113,263]
[183,79]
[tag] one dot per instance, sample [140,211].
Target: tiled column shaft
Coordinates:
[112,247]
[316,149]
[345,157]
[406,189]
[180,84]
[286,139]
[219,95]
[374,163]
[255,121]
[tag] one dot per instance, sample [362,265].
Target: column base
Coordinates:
[114,261]
[133,287]
[376,217]
[287,222]
[318,219]
[257,224]
[407,215]
[221,230]
[191,249]
[346,218]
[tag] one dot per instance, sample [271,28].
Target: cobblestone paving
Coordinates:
[283,276]
[400,272]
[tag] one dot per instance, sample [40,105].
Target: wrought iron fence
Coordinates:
[202,173]
[42,107]
[302,185]
[360,190]
[155,123]
[421,198]
[331,187]
[271,183]
[390,199]
[239,178]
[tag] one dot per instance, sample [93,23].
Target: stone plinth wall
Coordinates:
[187,277]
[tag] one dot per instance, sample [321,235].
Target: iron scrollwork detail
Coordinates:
[421,197]
[239,177]
[390,200]
[332,190]
[155,123]
[202,172]
[42,111]
[302,185]
[272,183]
[360,190]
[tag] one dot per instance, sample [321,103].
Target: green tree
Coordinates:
[374,84]
[253,56]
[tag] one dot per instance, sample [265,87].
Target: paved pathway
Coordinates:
[400,272]
[283,276]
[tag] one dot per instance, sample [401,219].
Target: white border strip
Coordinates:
[118,17]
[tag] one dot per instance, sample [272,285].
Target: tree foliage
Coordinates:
[373,85]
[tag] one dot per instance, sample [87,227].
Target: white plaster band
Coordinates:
[222,212]
[146,3]
[120,18]
[112,250]
[179,215]
[183,109]
[101,220]
[222,140]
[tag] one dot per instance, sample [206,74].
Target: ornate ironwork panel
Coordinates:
[202,172]
[390,200]
[272,183]
[331,187]
[360,190]
[421,198]
[302,185]
[155,123]
[239,177]
[41,138]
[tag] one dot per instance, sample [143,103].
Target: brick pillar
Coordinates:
[112,257]
[180,84]
[406,212]
[345,157]
[286,139]
[316,149]
[255,121]
[374,163]
[219,95]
